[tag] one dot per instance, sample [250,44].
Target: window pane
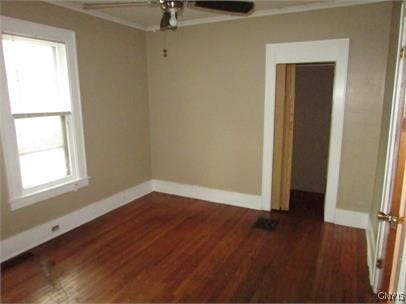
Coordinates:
[42,149]
[36,83]
[43,167]
[40,133]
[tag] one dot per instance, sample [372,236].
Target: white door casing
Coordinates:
[337,51]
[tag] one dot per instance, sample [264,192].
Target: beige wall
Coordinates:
[384,132]
[311,131]
[113,81]
[205,102]
[207,97]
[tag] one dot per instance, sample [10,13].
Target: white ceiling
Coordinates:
[148,18]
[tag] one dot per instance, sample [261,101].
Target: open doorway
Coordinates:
[322,51]
[311,135]
[303,102]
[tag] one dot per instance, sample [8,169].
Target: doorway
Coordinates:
[322,51]
[303,103]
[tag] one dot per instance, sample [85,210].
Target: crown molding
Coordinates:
[260,13]
[78,8]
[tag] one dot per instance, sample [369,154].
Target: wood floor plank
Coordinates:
[164,248]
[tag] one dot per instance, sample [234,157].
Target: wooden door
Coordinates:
[397,209]
[283,136]
[389,238]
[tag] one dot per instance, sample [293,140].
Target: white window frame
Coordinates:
[20,197]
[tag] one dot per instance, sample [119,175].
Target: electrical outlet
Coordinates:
[55,228]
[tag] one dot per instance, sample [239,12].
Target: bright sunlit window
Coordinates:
[41,121]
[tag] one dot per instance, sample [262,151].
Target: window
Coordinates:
[41,123]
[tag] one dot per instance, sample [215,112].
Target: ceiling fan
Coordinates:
[173,8]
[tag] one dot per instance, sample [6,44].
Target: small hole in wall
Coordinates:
[55,228]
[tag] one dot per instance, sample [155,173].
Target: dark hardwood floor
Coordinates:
[165,248]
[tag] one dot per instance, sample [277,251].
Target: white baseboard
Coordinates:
[212,195]
[370,251]
[352,219]
[343,217]
[33,237]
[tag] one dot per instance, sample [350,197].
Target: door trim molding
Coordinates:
[371,245]
[335,50]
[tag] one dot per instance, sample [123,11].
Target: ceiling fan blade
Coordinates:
[240,7]
[114,4]
[165,25]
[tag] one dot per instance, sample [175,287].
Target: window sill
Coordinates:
[32,198]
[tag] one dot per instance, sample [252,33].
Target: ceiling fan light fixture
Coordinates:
[171,11]
[173,21]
